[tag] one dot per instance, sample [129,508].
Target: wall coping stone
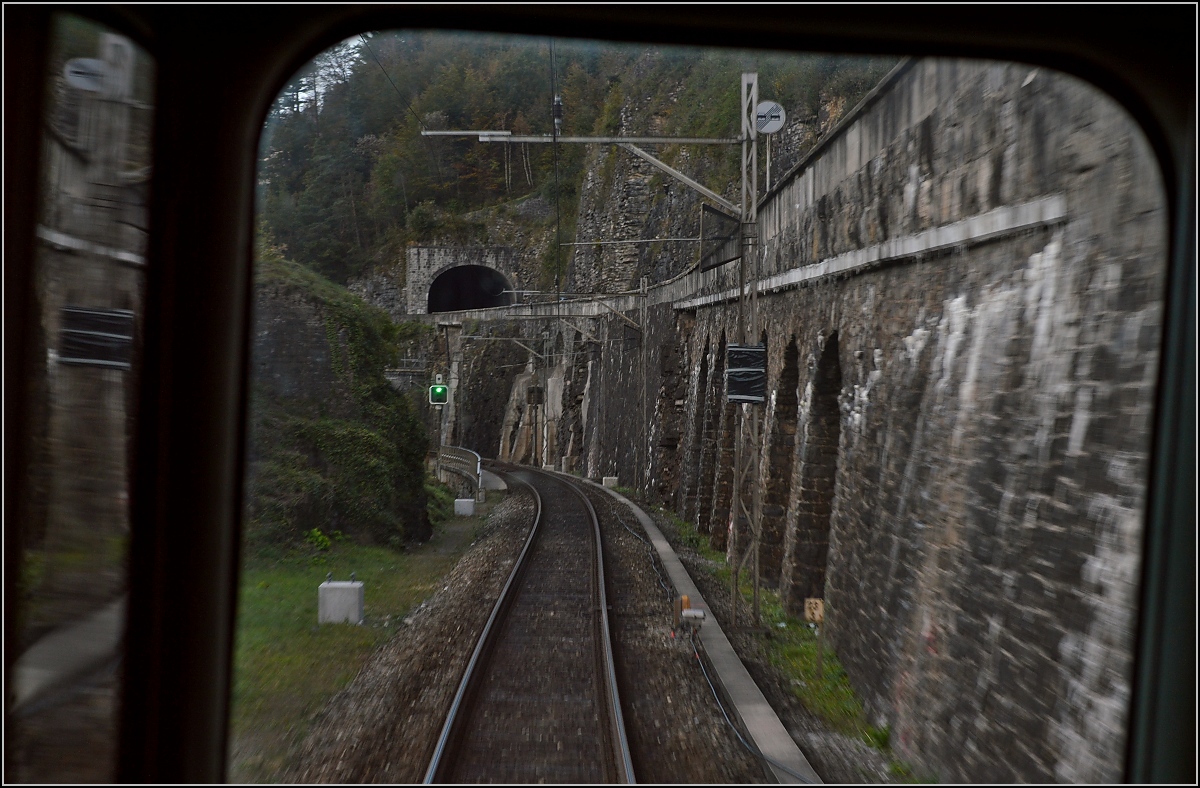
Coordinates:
[997,223]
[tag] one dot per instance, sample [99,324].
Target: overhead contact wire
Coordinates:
[557,197]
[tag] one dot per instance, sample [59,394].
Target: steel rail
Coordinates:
[620,757]
[486,640]
[616,718]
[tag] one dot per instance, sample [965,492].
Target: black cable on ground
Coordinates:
[749,747]
[654,559]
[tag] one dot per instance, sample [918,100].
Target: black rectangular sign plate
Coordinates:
[746,373]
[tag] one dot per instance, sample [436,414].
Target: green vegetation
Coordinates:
[336,484]
[347,180]
[318,539]
[441,501]
[352,461]
[687,534]
[879,738]
[286,667]
[792,647]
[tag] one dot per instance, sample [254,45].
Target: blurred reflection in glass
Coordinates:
[89,276]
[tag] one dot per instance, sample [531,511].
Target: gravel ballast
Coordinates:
[383,727]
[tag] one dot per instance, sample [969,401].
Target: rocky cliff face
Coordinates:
[619,197]
[624,198]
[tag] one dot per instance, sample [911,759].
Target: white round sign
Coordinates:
[769,117]
[86,73]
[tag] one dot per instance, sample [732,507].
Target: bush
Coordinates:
[441,501]
[318,539]
[361,472]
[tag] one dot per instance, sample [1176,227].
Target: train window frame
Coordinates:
[191,423]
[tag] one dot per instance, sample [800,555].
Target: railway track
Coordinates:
[538,701]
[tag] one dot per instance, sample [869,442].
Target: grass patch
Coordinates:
[439,501]
[903,772]
[879,738]
[687,534]
[792,647]
[286,667]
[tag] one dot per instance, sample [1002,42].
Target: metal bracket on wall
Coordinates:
[630,321]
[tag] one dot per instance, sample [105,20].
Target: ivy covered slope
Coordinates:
[332,445]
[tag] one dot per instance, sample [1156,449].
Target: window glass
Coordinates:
[958,270]
[90,265]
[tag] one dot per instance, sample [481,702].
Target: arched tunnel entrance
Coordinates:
[469,287]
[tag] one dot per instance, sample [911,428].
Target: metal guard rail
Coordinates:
[463,462]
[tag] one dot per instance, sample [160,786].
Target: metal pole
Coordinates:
[747,460]
[734,512]
[756,506]
[645,442]
[750,253]
[437,462]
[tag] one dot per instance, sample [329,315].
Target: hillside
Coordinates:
[332,445]
[347,182]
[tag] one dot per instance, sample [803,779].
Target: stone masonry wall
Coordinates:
[989,391]
[426,263]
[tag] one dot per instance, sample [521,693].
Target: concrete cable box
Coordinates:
[340,601]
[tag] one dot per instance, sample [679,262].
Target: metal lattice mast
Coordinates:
[746,460]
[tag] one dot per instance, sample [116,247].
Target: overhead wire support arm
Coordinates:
[618,314]
[679,176]
[496,135]
[502,339]
[633,241]
[588,335]
[628,143]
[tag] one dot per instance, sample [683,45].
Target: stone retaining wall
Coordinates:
[970,274]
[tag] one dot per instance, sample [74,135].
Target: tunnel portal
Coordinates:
[469,287]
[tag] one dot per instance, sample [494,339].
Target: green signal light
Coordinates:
[438,395]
